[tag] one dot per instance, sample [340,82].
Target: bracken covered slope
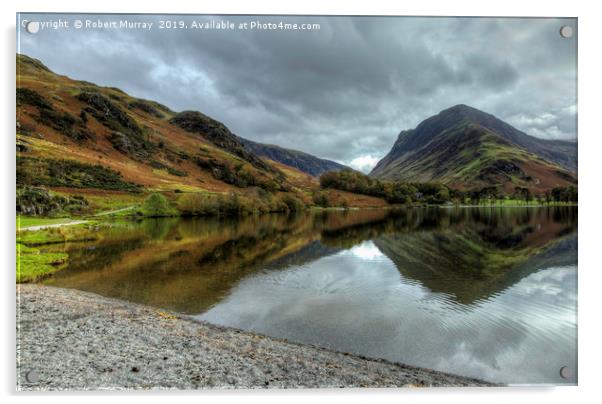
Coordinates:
[75,135]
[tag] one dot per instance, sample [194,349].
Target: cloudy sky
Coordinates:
[343,91]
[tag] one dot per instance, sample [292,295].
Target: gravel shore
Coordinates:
[81,341]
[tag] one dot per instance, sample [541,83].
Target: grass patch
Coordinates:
[33,264]
[77,232]
[27,221]
[101,202]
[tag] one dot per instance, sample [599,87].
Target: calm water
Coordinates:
[490,293]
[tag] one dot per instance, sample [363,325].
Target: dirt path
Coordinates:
[49,226]
[112,212]
[82,341]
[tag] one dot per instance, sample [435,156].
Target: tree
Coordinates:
[321,199]
[475,197]
[442,195]
[523,193]
[457,196]
[528,195]
[156,205]
[572,193]
[548,197]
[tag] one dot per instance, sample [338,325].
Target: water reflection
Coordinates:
[483,292]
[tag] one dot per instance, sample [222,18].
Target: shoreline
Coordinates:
[78,340]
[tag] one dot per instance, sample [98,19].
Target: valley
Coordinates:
[92,155]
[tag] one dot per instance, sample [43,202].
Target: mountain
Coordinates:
[468,149]
[304,162]
[77,138]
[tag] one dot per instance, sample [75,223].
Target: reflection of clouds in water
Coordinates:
[367,251]
[555,291]
[550,285]
[357,301]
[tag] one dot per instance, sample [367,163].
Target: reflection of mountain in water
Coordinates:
[469,254]
[309,253]
[189,265]
[442,264]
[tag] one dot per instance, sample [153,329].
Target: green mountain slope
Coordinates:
[469,149]
[105,149]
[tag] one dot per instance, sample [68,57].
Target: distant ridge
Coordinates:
[302,161]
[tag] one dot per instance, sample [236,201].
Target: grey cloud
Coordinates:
[489,73]
[342,92]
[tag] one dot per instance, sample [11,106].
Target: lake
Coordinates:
[483,292]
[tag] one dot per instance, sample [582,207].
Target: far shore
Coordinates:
[68,339]
[534,205]
[70,221]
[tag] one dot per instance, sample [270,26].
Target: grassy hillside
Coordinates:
[109,150]
[464,154]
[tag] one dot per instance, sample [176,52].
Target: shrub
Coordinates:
[394,192]
[146,107]
[176,172]
[26,96]
[293,204]
[565,194]
[40,202]
[241,176]
[156,205]
[62,122]
[198,204]
[131,145]
[321,199]
[69,173]
[108,113]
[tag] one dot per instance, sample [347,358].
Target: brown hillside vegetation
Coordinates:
[145,146]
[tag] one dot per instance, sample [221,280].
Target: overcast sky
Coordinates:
[343,91]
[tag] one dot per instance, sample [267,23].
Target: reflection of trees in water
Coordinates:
[158,228]
[94,257]
[190,264]
[504,228]
[186,265]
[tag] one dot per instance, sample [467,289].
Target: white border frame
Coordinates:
[589,164]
